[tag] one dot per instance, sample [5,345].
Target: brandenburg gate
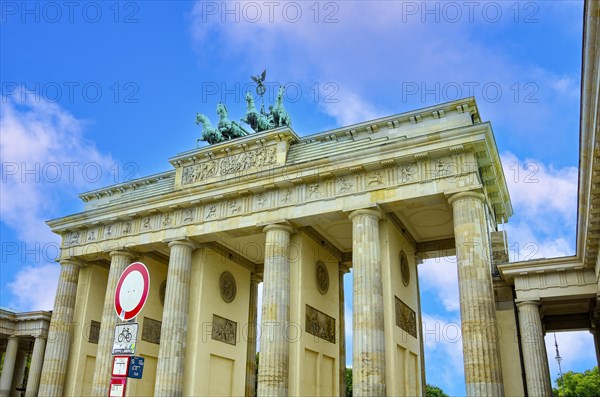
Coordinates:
[295,214]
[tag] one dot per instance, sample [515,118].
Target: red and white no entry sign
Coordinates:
[132,291]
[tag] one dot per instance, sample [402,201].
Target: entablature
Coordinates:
[261,177]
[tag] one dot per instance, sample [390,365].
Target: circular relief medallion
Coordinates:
[322,276]
[162,291]
[227,287]
[404,269]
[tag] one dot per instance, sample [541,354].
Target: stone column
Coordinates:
[483,374]
[251,354]
[368,340]
[35,368]
[119,260]
[18,373]
[274,344]
[535,358]
[10,359]
[171,354]
[61,330]
[342,330]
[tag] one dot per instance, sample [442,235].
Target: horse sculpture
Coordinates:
[228,129]
[209,134]
[258,121]
[280,115]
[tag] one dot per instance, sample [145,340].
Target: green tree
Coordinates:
[577,384]
[348,382]
[434,391]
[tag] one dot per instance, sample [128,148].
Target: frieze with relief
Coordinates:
[262,201]
[224,330]
[151,330]
[406,318]
[320,324]
[229,165]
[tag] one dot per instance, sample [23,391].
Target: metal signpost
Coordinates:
[130,297]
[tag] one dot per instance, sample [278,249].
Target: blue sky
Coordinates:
[95,93]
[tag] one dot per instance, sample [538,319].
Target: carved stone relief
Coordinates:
[74,238]
[375,179]
[211,212]
[320,324]
[151,330]
[322,277]
[314,191]
[224,330]
[406,318]
[94,335]
[404,269]
[146,223]
[260,200]
[407,173]
[188,215]
[167,220]
[344,185]
[227,287]
[127,227]
[229,165]
[286,196]
[234,207]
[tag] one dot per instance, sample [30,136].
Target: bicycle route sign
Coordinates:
[125,338]
[132,291]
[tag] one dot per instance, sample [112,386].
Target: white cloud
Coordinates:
[440,276]
[44,158]
[544,200]
[372,58]
[34,287]
[46,161]
[537,188]
[352,110]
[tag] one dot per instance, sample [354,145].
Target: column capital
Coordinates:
[70,261]
[183,242]
[13,337]
[278,226]
[125,253]
[343,268]
[471,194]
[535,303]
[373,212]
[254,278]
